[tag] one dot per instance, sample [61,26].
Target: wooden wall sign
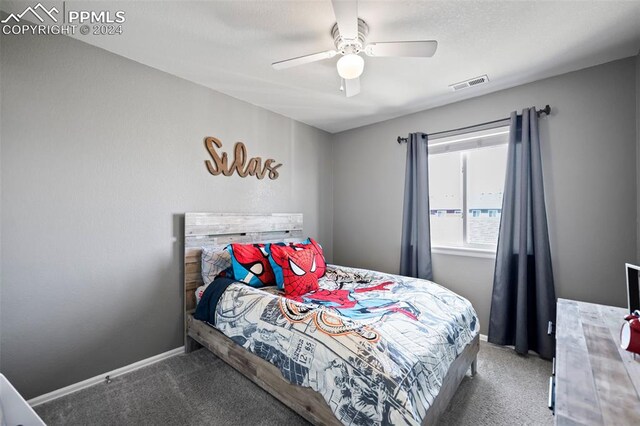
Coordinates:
[241,164]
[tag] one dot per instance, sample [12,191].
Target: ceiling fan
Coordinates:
[350,38]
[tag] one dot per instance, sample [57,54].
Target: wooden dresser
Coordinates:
[596,382]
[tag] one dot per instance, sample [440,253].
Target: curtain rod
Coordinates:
[545,110]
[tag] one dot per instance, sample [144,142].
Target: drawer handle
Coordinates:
[550,328]
[552,395]
[553,366]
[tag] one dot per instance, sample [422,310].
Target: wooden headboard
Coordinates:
[220,229]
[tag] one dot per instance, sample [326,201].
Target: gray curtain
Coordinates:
[415,249]
[523,300]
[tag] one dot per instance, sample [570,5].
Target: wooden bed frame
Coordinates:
[219,229]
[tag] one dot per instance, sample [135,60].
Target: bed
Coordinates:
[416,383]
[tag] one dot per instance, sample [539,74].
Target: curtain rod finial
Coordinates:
[545,110]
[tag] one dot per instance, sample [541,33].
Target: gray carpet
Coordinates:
[199,389]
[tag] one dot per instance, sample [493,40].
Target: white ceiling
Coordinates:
[229,46]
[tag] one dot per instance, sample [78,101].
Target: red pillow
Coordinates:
[250,263]
[321,264]
[297,270]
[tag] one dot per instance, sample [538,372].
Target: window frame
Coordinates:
[465,142]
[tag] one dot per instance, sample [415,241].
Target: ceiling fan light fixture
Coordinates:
[350,66]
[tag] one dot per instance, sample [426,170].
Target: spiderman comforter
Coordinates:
[376,346]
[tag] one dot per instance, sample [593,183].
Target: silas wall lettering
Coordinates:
[241,164]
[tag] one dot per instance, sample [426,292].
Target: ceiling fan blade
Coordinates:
[346,12]
[352,87]
[411,49]
[301,60]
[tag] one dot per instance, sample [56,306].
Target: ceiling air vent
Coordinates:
[469,83]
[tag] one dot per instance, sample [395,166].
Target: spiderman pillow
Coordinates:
[319,267]
[298,270]
[250,264]
[310,243]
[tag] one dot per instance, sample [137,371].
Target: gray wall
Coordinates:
[100,157]
[589,151]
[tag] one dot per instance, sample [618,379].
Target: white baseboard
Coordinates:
[100,378]
[483,337]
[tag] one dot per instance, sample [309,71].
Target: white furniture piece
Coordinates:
[14,410]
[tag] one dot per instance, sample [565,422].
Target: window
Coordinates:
[466,181]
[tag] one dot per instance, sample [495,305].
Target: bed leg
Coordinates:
[190,345]
[474,367]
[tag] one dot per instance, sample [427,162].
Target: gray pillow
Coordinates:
[214,260]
